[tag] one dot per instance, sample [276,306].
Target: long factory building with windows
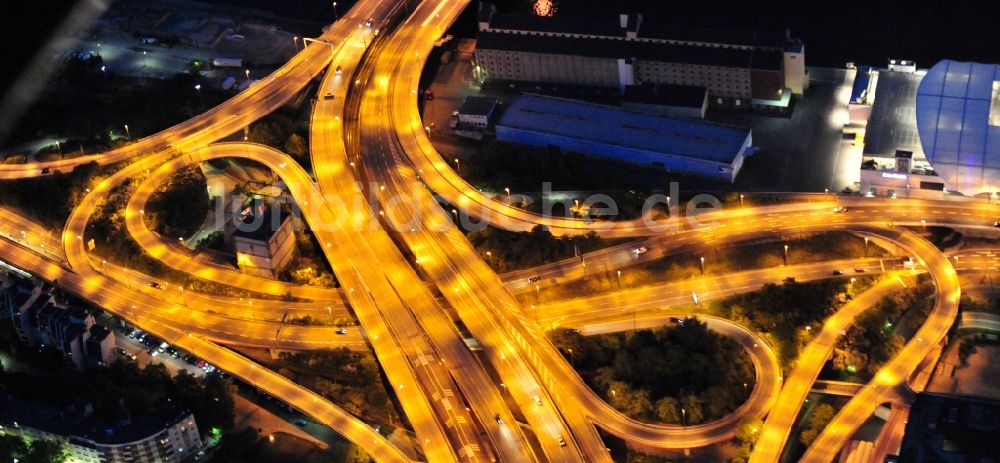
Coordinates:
[737,69]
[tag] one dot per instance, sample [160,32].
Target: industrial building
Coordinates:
[476,112]
[737,69]
[931,132]
[264,239]
[672,144]
[669,100]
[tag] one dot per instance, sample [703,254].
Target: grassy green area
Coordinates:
[675,374]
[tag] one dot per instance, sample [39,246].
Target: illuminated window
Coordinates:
[995,104]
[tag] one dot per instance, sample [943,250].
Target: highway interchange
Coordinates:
[407,275]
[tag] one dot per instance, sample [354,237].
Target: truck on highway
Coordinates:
[227,62]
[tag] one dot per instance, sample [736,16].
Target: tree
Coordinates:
[965,350]
[14,448]
[295,145]
[821,416]
[668,410]
[749,431]
[692,409]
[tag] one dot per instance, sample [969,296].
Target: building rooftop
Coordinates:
[478,106]
[631,129]
[260,221]
[892,125]
[688,96]
[945,429]
[607,26]
[746,38]
[623,49]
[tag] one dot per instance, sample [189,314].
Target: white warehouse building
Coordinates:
[672,144]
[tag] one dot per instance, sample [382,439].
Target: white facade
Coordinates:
[172,444]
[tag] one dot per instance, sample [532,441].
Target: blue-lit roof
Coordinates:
[620,127]
[954,104]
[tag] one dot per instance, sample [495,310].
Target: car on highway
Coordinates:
[640,250]
[538,400]
[996,223]
[46,170]
[533,279]
[338,71]
[301,422]
[838,272]
[677,320]
[859,270]
[342,331]
[153,284]
[840,209]
[561,441]
[499,420]
[328,96]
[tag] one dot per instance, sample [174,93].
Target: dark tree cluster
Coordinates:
[281,131]
[501,165]
[50,198]
[685,373]
[14,448]
[349,378]
[780,311]
[178,207]
[91,108]
[118,390]
[513,251]
[879,333]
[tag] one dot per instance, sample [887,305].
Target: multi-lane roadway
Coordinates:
[408,276]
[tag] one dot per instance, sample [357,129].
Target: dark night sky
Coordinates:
[40,17]
[834,31]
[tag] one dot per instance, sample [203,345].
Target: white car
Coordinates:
[640,250]
[840,209]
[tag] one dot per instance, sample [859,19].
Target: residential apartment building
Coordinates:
[149,442]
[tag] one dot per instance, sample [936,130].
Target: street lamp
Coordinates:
[428,130]
[247,72]
[128,135]
[785,255]
[619,280]
[200,101]
[458,166]
[334,10]
[296,40]
[702,260]
[866,246]
[741,199]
